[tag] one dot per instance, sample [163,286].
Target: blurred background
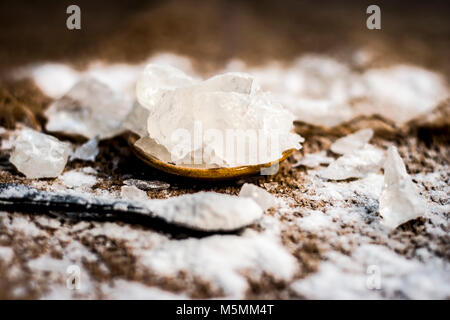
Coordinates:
[213,31]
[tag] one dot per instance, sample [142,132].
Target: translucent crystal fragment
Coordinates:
[313,160]
[352,142]
[87,151]
[150,146]
[319,112]
[223,121]
[132,193]
[356,164]
[400,200]
[136,120]
[39,155]
[156,80]
[90,108]
[263,198]
[76,179]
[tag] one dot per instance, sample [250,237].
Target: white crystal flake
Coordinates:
[192,120]
[74,179]
[156,80]
[313,160]
[400,200]
[352,142]
[263,198]
[224,261]
[356,164]
[39,155]
[90,108]
[87,151]
[131,193]
[208,211]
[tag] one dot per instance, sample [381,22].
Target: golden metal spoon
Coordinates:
[203,174]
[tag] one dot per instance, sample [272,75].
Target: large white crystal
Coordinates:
[78,179]
[400,200]
[352,142]
[356,164]
[263,198]
[39,155]
[222,121]
[90,108]
[156,80]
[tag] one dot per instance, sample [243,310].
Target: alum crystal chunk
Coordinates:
[87,151]
[400,200]
[263,198]
[313,160]
[39,155]
[136,120]
[356,164]
[156,80]
[132,193]
[352,142]
[89,109]
[223,121]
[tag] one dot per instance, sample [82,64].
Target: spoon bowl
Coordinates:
[222,173]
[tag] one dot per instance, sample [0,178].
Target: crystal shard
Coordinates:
[263,198]
[39,155]
[313,160]
[132,193]
[156,80]
[400,200]
[89,109]
[352,142]
[136,120]
[87,151]
[356,164]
